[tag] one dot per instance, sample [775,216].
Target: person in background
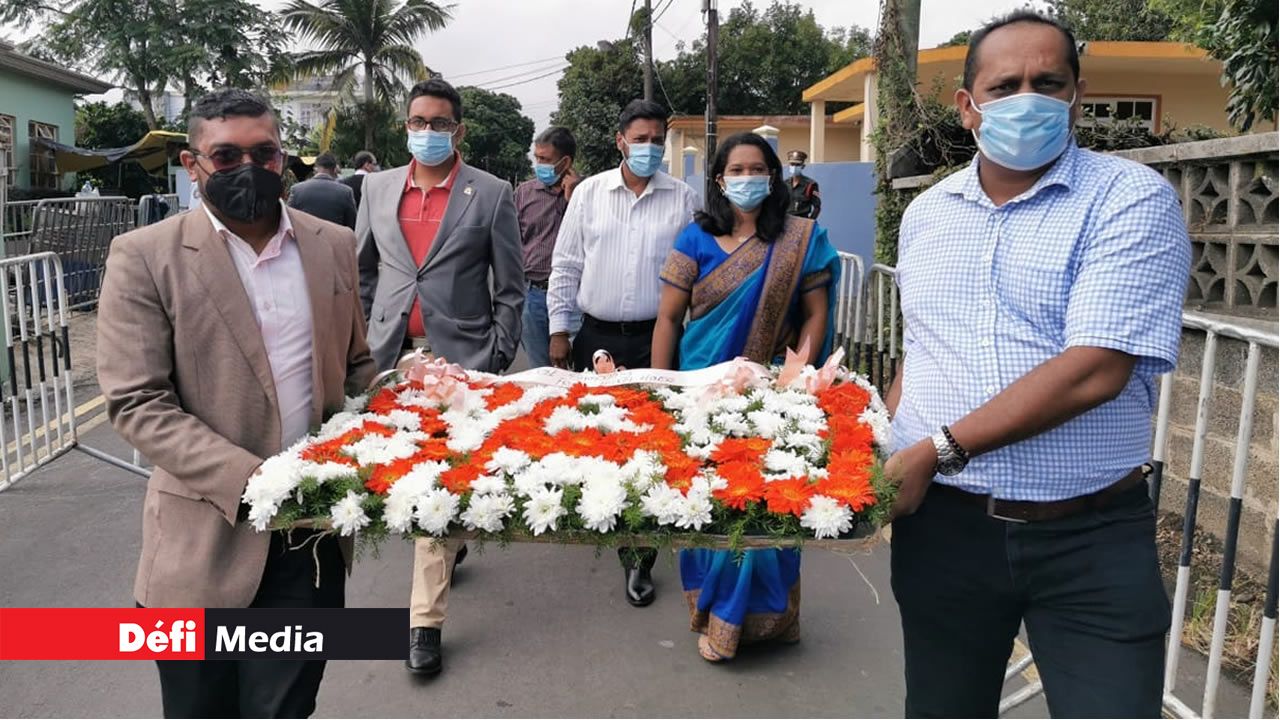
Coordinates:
[210,362]
[1042,290]
[540,206]
[806,201]
[323,196]
[617,231]
[434,237]
[758,281]
[364,163]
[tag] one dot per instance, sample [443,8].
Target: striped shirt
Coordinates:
[1095,254]
[612,246]
[539,209]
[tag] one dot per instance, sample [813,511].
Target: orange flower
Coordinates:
[458,479]
[384,402]
[844,399]
[746,484]
[680,469]
[733,450]
[850,435]
[788,496]
[384,476]
[853,490]
[503,394]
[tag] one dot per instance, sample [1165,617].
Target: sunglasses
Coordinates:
[226,157]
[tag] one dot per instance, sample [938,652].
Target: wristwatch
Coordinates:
[951,457]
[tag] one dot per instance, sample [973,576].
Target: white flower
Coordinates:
[543,510]
[600,401]
[325,472]
[436,510]
[809,445]
[733,423]
[488,485]
[486,512]
[733,404]
[811,427]
[601,503]
[465,435]
[354,404]
[781,461]
[407,492]
[508,461]
[693,511]
[817,473]
[881,427]
[402,419]
[767,424]
[826,517]
[348,513]
[661,502]
[380,450]
[643,470]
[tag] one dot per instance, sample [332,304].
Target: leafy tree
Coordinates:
[766,60]
[1112,19]
[101,126]
[372,38]
[390,141]
[960,38]
[498,134]
[593,90]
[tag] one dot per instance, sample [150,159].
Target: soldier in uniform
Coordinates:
[806,201]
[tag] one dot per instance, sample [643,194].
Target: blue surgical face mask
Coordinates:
[546,173]
[746,191]
[430,147]
[1025,131]
[644,158]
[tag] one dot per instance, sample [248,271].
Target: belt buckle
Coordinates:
[991,512]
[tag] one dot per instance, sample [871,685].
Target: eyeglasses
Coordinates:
[439,124]
[226,157]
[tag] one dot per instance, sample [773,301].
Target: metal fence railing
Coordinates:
[877,355]
[849,306]
[80,230]
[18,219]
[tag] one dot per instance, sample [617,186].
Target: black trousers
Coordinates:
[263,688]
[632,351]
[1088,588]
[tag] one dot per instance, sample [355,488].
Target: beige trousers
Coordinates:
[432,575]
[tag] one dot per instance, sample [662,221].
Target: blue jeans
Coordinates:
[535,333]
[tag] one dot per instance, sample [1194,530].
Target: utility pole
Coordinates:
[909,31]
[648,50]
[713,42]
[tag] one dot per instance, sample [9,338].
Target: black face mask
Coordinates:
[244,193]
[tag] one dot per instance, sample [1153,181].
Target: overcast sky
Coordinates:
[486,37]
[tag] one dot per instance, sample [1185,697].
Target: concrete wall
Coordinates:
[843,143]
[27,99]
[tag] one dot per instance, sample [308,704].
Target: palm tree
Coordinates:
[371,37]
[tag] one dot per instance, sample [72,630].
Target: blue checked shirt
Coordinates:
[1095,254]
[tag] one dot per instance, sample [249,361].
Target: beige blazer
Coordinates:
[187,381]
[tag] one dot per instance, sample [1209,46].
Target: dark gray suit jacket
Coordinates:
[471,283]
[326,198]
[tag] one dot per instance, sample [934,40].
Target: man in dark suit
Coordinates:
[323,196]
[364,163]
[441,269]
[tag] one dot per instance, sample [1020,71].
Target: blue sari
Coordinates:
[747,303]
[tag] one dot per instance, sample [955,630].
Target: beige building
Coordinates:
[1162,83]
[687,137]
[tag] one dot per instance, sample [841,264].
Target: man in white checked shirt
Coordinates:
[614,239]
[1042,290]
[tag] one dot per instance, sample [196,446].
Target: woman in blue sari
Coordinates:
[755,281]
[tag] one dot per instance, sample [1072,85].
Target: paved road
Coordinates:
[534,630]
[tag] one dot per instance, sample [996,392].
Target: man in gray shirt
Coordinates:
[323,196]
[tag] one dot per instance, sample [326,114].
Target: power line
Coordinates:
[517,76]
[658,15]
[508,67]
[522,82]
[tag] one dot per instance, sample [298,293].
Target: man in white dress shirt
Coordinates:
[616,234]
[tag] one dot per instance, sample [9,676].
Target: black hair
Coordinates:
[435,87]
[641,110]
[362,158]
[327,161]
[718,216]
[225,103]
[1024,15]
[560,139]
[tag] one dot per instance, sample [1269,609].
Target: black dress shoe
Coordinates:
[462,555]
[640,590]
[425,657]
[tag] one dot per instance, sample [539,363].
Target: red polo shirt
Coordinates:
[420,214]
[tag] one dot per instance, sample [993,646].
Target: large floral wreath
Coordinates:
[785,453]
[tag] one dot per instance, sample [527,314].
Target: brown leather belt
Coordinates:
[1023,511]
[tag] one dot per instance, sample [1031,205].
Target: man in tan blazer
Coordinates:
[224,335]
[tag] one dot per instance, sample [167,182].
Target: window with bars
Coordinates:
[44,171]
[1108,110]
[7,123]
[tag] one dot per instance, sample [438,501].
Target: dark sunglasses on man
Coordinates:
[227,157]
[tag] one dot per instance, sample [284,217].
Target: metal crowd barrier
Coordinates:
[80,230]
[877,354]
[38,396]
[849,306]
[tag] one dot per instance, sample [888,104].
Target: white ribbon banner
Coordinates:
[672,378]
